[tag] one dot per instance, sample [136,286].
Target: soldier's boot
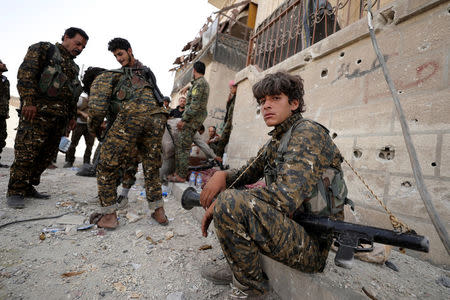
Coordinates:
[33,193]
[240,291]
[15,201]
[68,164]
[219,274]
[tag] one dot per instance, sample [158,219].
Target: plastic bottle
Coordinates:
[192,179]
[198,182]
[224,159]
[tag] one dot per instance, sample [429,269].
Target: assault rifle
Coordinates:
[349,237]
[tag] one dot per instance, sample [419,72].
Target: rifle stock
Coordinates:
[349,236]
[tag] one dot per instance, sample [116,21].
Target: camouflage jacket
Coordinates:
[102,97]
[195,111]
[4,96]
[309,153]
[28,82]
[228,119]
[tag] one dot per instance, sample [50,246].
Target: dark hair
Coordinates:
[166,98]
[213,127]
[199,67]
[118,43]
[89,75]
[281,82]
[72,31]
[201,128]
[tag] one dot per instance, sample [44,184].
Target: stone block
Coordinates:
[445,155]
[374,154]
[428,111]
[289,283]
[365,119]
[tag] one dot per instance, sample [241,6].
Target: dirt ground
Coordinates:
[143,260]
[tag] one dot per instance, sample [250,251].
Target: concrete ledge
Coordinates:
[287,282]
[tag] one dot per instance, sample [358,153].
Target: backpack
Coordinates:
[330,194]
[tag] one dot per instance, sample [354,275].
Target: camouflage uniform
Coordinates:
[37,140]
[4,110]
[194,114]
[139,124]
[226,129]
[249,222]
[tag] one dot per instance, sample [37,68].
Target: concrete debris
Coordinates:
[71,220]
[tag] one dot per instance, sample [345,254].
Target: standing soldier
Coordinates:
[80,130]
[227,125]
[4,108]
[129,95]
[49,88]
[193,116]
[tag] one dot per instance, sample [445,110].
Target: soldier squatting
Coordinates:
[295,161]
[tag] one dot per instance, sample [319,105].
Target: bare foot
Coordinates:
[160,216]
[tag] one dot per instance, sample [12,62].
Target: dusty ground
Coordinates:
[143,260]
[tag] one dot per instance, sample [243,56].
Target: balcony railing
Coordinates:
[297,24]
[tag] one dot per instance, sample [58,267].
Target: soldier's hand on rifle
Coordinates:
[214,186]
[29,112]
[184,90]
[207,218]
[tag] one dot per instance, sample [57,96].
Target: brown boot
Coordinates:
[160,216]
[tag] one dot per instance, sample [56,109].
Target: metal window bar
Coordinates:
[298,24]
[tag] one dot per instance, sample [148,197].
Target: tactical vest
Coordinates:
[125,89]
[53,79]
[329,195]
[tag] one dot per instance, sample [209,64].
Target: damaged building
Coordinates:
[327,43]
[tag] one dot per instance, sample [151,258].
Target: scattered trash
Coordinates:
[205,247]
[42,236]
[369,293]
[84,227]
[391,265]
[135,295]
[74,273]
[53,230]
[139,233]
[135,266]
[132,217]
[68,204]
[149,238]
[120,287]
[169,235]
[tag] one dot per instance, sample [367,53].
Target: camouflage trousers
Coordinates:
[79,131]
[224,138]
[134,128]
[3,133]
[182,149]
[129,169]
[247,226]
[35,145]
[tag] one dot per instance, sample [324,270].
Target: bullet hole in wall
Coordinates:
[342,54]
[387,153]
[307,58]
[258,110]
[358,61]
[334,135]
[388,15]
[406,184]
[400,92]
[433,164]
[357,153]
[324,73]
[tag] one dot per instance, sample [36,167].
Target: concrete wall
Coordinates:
[346,91]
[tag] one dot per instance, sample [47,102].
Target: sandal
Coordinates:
[108,221]
[175,178]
